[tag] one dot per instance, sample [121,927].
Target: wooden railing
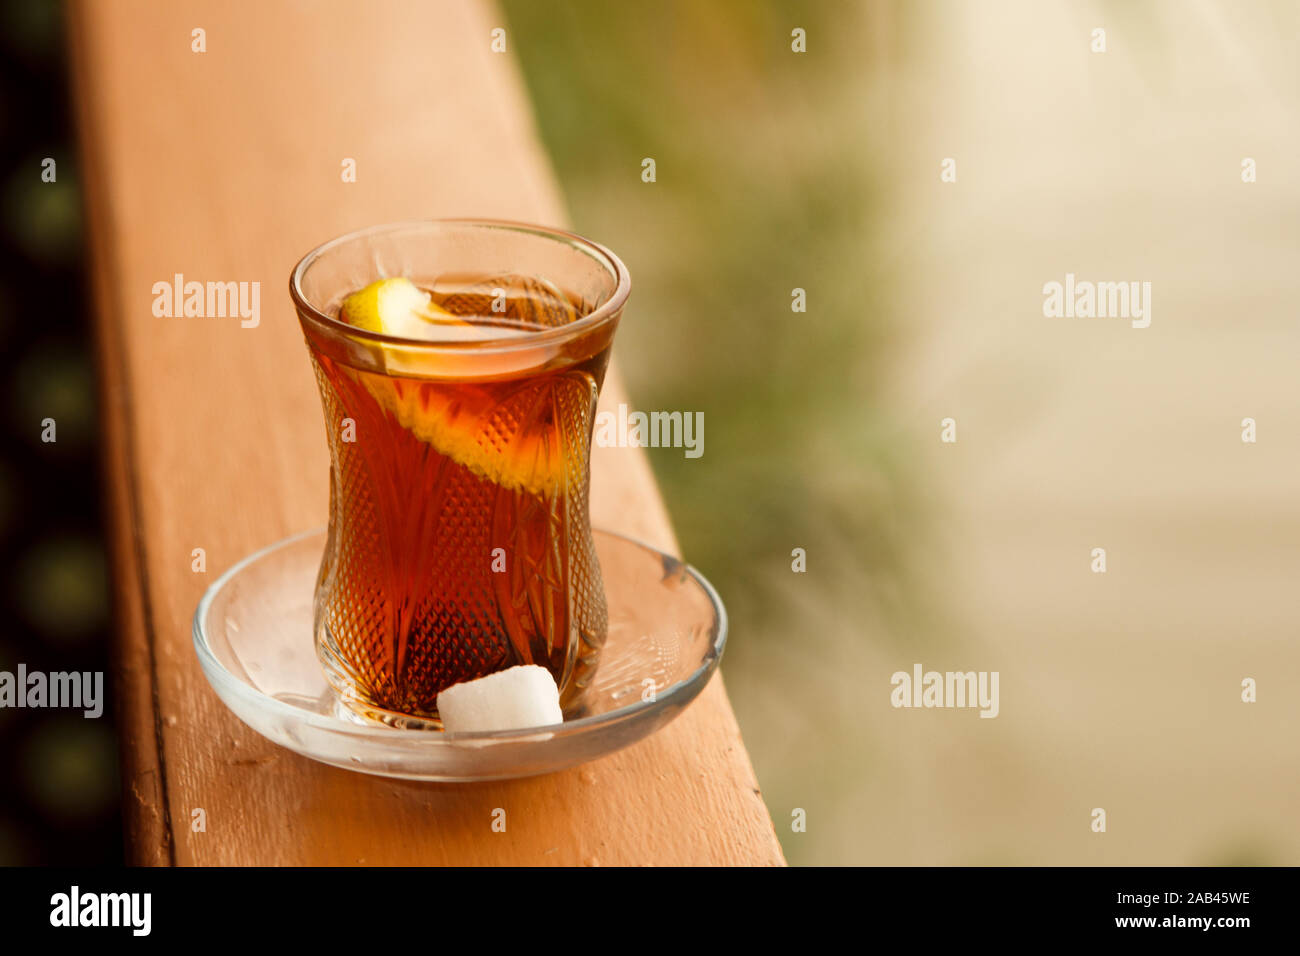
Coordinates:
[226,164]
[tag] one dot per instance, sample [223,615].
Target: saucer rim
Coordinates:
[685,689]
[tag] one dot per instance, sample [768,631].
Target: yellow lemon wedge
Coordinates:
[516,434]
[395,306]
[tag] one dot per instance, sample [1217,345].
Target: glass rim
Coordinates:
[605,311]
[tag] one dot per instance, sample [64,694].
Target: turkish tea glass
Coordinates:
[459,539]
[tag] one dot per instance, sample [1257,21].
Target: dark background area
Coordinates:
[59,791]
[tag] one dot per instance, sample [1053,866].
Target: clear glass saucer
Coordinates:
[253,635]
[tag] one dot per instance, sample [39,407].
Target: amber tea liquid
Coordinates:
[460,542]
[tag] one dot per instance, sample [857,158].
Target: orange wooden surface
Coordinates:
[225,165]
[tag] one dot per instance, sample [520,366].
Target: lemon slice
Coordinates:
[519,437]
[503,433]
[395,306]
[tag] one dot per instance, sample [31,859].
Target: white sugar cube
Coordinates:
[512,699]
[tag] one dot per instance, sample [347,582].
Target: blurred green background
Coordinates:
[772,174]
[820,170]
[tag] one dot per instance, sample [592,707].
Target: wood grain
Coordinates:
[225,165]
